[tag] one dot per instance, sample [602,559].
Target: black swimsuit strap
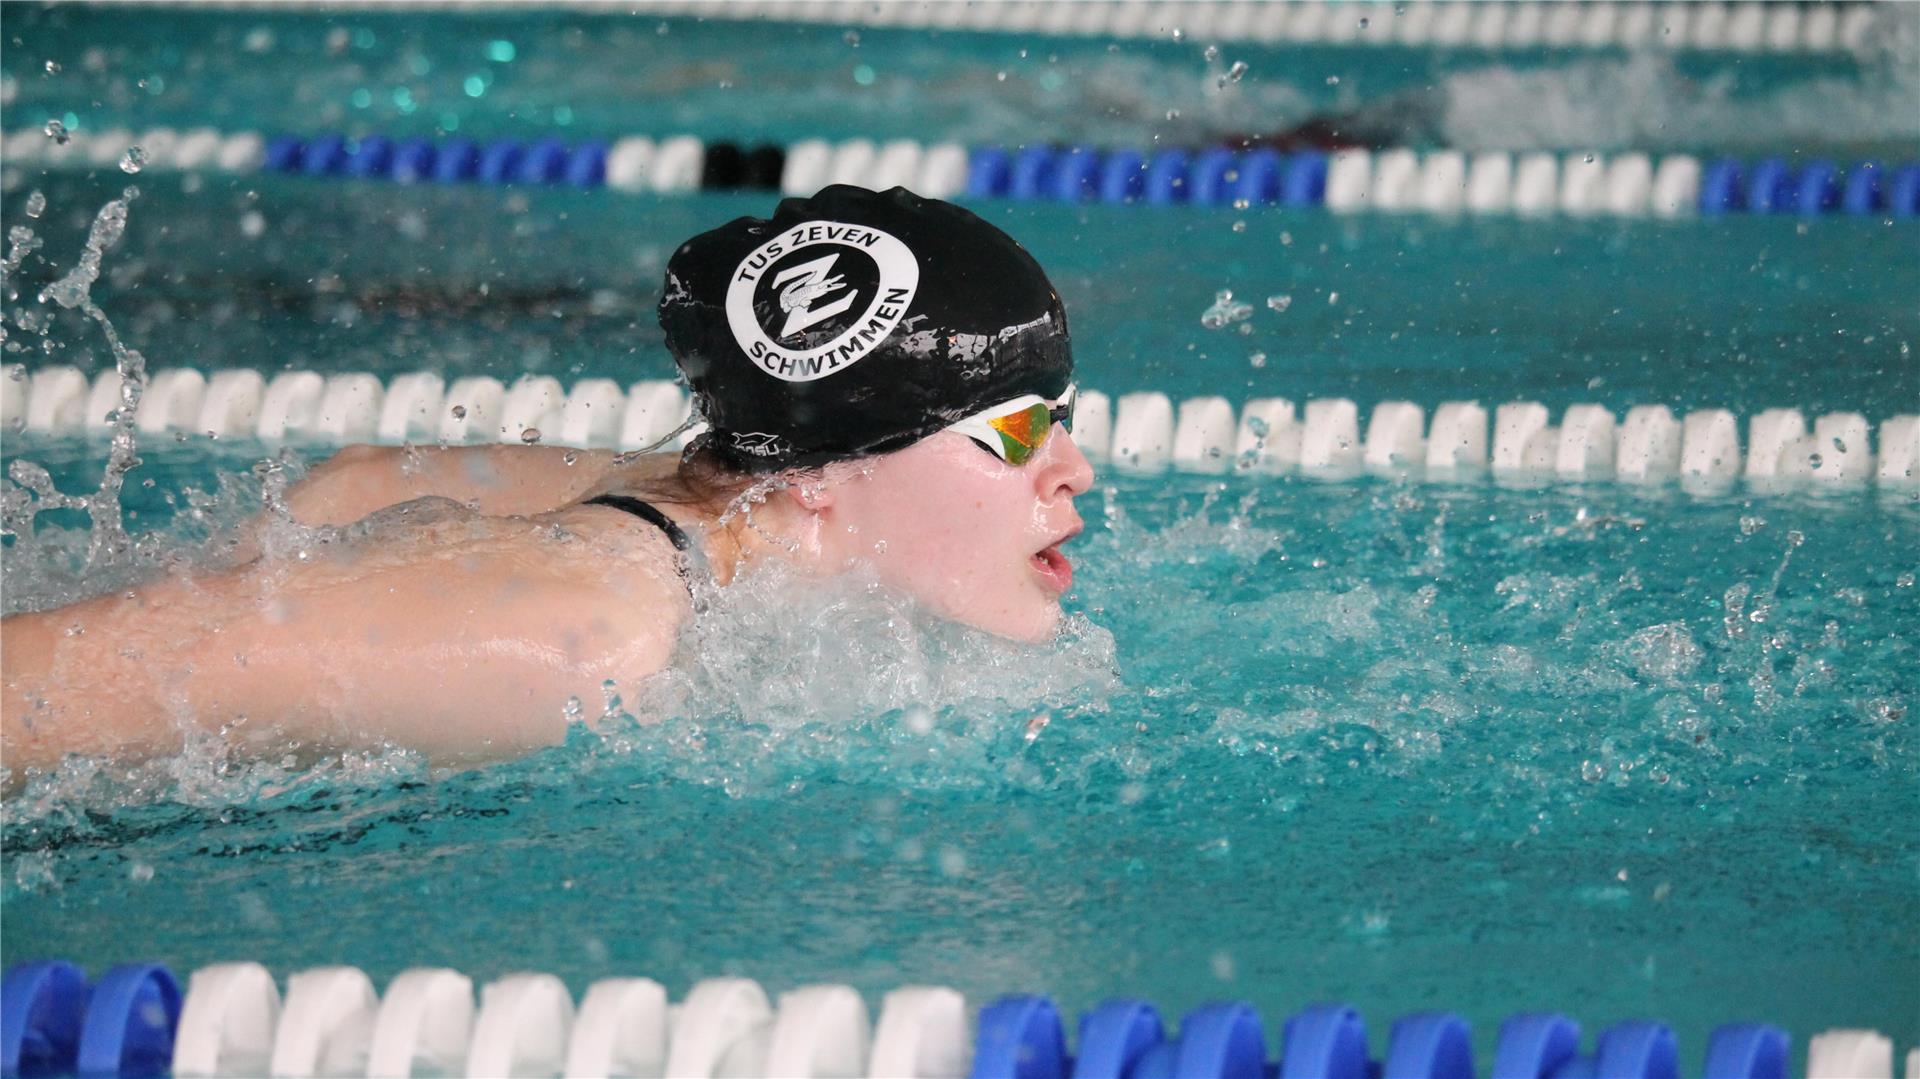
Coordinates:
[646,513]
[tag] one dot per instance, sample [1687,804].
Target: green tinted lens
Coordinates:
[1022,433]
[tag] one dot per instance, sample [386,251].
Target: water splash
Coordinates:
[109,541]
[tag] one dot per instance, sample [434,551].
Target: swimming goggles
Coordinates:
[1016,430]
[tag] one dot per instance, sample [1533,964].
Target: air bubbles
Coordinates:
[1239,226]
[852,38]
[1257,361]
[530,436]
[1280,302]
[133,160]
[1234,74]
[36,203]
[1333,80]
[569,457]
[53,67]
[57,131]
[459,412]
[1212,53]
[1365,22]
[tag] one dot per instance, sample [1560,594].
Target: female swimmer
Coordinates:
[886,381]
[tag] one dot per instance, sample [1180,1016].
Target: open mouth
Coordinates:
[1053,566]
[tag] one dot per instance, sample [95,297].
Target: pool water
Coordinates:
[1616,751]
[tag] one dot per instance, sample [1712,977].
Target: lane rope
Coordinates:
[1142,431]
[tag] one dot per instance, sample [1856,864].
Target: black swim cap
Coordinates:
[856,323]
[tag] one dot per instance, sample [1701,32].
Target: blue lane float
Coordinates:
[1123,177]
[1327,1040]
[42,1007]
[1212,178]
[1723,188]
[1260,177]
[1771,188]
[1306,182]
[1166,179]
[456,161]
[1114,1036]
[1076,176]
[1862,194]
[988,169]
[544,162]
[1031,176]
[413,160]
[130,1023]
[1430,1045]
[1819,188]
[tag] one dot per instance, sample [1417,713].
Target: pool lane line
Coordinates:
[233,1020]
[1444,182]
[1516,441]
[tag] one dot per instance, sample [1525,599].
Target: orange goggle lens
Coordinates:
[1024,431]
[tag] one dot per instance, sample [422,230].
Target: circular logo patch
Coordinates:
[818,297]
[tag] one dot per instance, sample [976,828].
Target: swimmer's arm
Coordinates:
[465,646]
[500,481]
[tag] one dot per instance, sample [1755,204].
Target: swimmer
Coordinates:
[888,386]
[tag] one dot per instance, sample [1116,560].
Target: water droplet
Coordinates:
[1239,226]
[459,412]
[1814,461]
[1280,302]
[1588,159]
[133,160]
[1365,22]
[36,204]
[569,457]
[56,131]
[1000,76]
[1333,80]
[1173,114]
[530,436]
[1212,53]
[1258,359]
[1332,298]
[1224,311]
[53,67]
[1179,34]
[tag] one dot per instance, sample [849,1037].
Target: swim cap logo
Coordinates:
[818,297]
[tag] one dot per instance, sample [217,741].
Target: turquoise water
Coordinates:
[1617,752]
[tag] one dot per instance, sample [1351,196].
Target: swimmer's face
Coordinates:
[971,536]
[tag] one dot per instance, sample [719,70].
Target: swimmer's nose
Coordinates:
[1064,471]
